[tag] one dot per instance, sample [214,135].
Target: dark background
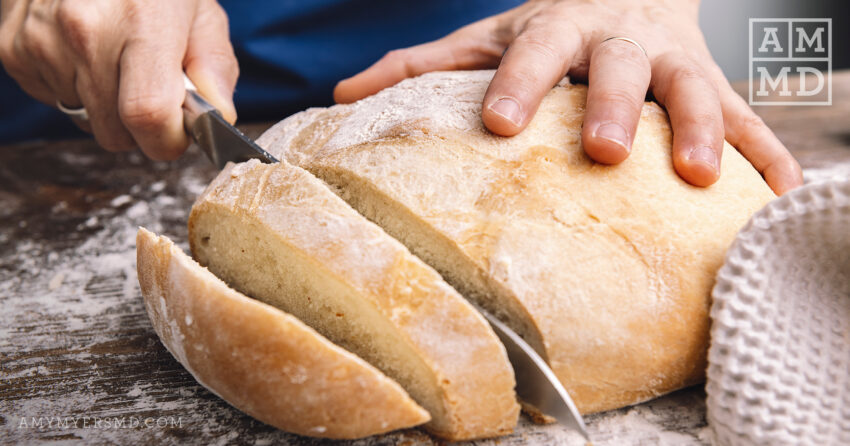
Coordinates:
[725,24]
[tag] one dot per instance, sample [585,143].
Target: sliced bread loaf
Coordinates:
[605,270]
[261,360]
[278,234]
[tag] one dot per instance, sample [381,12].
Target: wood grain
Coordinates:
[77,346]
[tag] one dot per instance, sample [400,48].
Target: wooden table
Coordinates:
[77,351]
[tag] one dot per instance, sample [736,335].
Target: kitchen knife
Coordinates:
[537,384]
[217,138]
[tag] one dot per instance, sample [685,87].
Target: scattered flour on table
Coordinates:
[121,200]
[56,281]
[71,297]
[158,187]
[90,222]
[135,391]
[80,293]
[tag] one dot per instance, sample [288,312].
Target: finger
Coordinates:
[750,135]
[471,47]
[97,88]
[151,90]
[32,83]
[693,104]
[89,39]
[22,68]
[618,78]
[210,62]
[43,46]
[536,60]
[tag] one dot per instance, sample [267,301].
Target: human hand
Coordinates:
[124,62]
[536,44]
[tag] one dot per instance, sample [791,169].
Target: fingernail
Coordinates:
[507,108]
[704,155]
[614,132]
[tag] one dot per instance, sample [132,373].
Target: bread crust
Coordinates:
[467,362]
[606,270]
[261,360]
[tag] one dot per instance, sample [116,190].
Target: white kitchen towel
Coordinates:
[779,361]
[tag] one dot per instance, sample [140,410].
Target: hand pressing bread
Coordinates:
[625,50]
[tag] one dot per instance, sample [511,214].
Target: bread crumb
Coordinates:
[537,417]
[56,281]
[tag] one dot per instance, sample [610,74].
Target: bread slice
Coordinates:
[278,234]
[605,270]
[261,360]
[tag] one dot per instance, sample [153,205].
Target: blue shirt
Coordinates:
[291,54]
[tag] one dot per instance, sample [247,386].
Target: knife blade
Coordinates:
[537,385]
[219,140]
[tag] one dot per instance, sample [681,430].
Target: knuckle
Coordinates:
[751,123]
[619,98]
[620,48]
[624,53]
[748,129]
[400,55]
[708,122]
[7,54]
[33,40]
[784,162]
[539,44]
[518,82]
[134,10]
[224,57]
[8,31]
[704,119]
[687,73]
[11,58]
[79,24]
[145,112]
[793,166]
[406,59]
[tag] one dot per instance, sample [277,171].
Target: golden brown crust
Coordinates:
[260,359]
[465,358]
[607,270]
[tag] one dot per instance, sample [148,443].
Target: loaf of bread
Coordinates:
[263,361]
[605,270]
[278,234]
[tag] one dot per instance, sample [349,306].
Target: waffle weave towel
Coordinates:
[779,361]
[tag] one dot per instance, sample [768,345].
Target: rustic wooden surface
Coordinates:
[77,351]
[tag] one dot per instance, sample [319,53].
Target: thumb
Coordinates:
[210,62]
